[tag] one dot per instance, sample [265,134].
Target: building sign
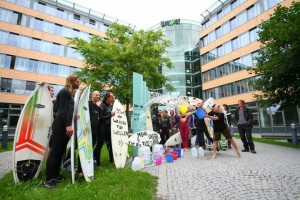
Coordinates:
[170,22]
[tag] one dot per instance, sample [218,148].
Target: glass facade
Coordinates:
[185,77]
[266,120]
[11,35]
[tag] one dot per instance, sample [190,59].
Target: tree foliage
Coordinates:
[109,64]
[278,63]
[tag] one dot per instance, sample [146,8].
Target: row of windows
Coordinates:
[221,13]
[230,89]
[230,67]
[21,86]
[63,14]
[41,25]
[230,46]
[246,15]
[25,64]
[36,44]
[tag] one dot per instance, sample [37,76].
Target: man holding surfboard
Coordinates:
[62,130]
[105,114]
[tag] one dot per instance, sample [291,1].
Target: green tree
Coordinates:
[278,63]
[109,64]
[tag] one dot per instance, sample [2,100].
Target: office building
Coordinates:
[228,46]
[33,47]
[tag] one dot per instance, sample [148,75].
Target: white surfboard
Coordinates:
[76,101]
[32,135]
[84,136]
[174,140]
[119,135]
[144,138]
[207,106]
[224,112]
[149,125]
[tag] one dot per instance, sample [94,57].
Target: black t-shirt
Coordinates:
[219,125]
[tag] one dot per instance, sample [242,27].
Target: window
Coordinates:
[234,5]
[76,16]
[218,32]
[242,18]
[33,65]
[58,29]
[13,39]
[17,18]
[41,7]
[253,35]
[244,39]
[12,62]
[60,13]
[6,84]
[251,12]
[92,22]
[57,49]
[219,14]
[220,51]
[233,23]
[226,28]
[7,63]
[235,44]
[17,86]
[30,86]
[212,36]
[36,44]
[205,40]
[272,3]
[227,47]
[38,24]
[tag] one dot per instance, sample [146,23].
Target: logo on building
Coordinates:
[170,22]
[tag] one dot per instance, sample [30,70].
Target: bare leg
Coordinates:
[214,149]
[235,147]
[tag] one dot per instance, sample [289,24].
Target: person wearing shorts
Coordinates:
[220,127]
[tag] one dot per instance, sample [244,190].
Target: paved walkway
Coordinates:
[273,173]
[5,162]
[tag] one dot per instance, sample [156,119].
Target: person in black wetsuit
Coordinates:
[105,115]
[62,130]
[94,116]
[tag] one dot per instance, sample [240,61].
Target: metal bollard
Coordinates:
[4,137]
[294,133]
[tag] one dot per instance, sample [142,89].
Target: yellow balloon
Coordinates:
[183,108]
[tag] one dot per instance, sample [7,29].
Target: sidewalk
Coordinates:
[273,173]
[5,163]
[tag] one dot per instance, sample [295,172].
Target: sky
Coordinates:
[145,14]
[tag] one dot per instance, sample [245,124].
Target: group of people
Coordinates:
[166,125]
[62,130]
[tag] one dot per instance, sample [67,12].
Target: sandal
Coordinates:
[214,156]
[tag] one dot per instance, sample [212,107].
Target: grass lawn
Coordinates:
[9,146]
[109,183]
[272,141]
